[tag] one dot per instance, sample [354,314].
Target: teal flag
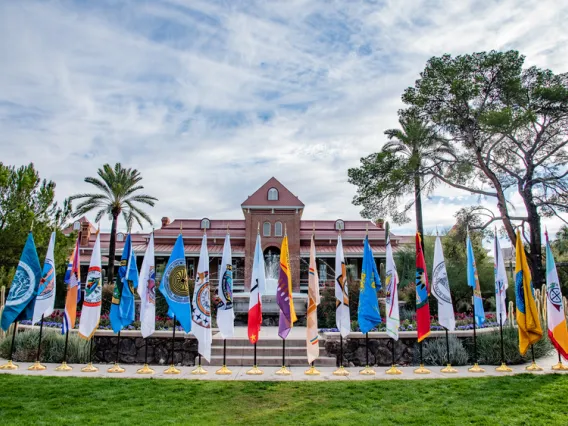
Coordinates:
[21,297]
[117,322]
[473,281]
[368,314]
[129,286]
[175,287]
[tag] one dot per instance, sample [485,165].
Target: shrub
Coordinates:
[52,347]
[489,347]
[435,352]
[326,308]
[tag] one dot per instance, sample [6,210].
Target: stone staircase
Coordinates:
[268,353]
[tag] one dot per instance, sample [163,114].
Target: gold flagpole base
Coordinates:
[283,371]
[393,370]
[223,371]
[448,369]
[559,367]
[476,369]
[145,370]
[504,368]
[172,370]
[341,371]
[37,366]
[9,366]
[312,371]
[199,370]
[255,371]
[367,371]
[90,368]
[533,367]
[64,367]
[422,370]
[116,369]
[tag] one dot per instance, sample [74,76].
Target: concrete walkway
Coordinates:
[239,373]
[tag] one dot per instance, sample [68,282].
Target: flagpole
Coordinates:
[503,368]
[341,371]
[448,368]
[533,366]
[117,368]
[224,371]
[10,365]
[64,366]
[284,371]
[90,368]
[393,370]
[37,366]
[559,366]
[172,368]
[476,368]
[145,368]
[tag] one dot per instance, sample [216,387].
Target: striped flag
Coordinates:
[393,318]
[73,283]
[557,332]
[313,302]
[258,279]
[422,293]
[284,293]
[342,319]
[91,312]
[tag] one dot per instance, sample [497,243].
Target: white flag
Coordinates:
[501,283]
[201,307]
[91,312]
[225,312]
[393,317]
[342,319]
[147,291]
[45,298]
[441,289]
[313,302]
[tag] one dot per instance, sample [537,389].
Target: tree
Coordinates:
[119,194]
[509,127]
[400,168]
[26,199]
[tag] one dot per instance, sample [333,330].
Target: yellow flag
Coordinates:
[530,330]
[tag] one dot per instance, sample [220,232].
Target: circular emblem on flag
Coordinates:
[46,284]
[519,293]
[22,288]
[202,308]
[440,284]
[421,290]
[175,279]
[151,293]
[93,288]
[227,288]
[555,295]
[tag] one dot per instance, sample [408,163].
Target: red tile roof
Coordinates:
[285,197]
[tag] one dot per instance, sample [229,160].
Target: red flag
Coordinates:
[422,293]
[256,289]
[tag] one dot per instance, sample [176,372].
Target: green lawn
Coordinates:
[522,399]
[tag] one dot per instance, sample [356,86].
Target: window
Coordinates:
[278,229]
[77,226]
[339,225]
[205,224]
[272,194]
[322,272]
[120,237]
[266,229]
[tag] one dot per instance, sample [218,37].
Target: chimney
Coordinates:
[165,221]
[85,233]
[380,223]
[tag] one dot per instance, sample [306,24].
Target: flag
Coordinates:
[174,286]
[368,314]
[501,283]
[201,307]
[45,299]
[284,293]
[342,319]
[91,312]
[21,297]
[473,282]
[422,293]
[391,302]
[441,289]
[73,282]
[257,283]
[557,332]
[528,322]
[225,312]
[147,291]
[312,337]
[122,307]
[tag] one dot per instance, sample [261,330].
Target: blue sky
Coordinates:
[209,99]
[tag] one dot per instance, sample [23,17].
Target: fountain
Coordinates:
[272,270]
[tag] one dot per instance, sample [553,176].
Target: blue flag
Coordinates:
[175,288]
[21,298]
[117,322]
[473,281]
[129,285]
[368,314]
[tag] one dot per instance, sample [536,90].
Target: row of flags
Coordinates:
[32,293]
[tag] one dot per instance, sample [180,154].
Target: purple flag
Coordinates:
[284,293]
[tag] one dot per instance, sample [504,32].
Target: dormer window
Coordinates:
[272,194]
[339,225]
[77,226]
[120,237]
[205,223]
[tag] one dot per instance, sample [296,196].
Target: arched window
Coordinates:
[77,226]
[339,225]
[120,237]
[266,229]
[278,229]
[272,194]
[205,224]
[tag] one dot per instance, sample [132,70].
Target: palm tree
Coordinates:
[119,194]
[420,146]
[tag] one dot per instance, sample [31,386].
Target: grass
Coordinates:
[517,400]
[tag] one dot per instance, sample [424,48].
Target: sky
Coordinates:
[209,99]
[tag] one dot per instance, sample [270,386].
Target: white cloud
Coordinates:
[209,100]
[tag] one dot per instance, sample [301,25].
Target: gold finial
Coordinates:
[285,232]
[258,228]
[227,228]
[180,226]
[313,229]
[32,227]
[367,229]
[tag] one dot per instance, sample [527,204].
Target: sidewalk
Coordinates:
[239,373]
